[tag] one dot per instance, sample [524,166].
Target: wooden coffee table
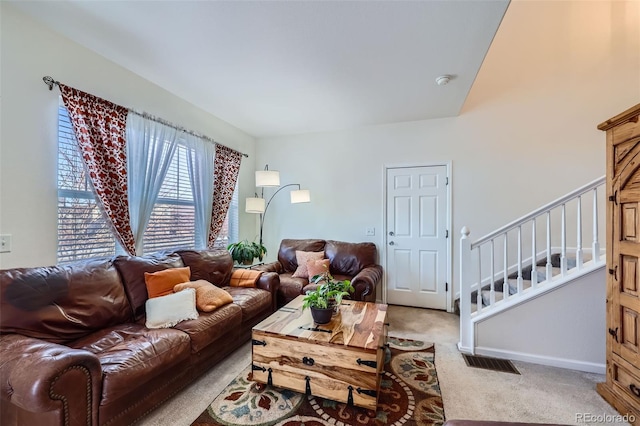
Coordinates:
[341,361]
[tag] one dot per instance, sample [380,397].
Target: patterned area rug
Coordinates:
[409,395]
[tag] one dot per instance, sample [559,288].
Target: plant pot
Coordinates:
[321,316]
[247,262]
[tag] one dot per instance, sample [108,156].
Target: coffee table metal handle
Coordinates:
[372,364]
[308,361]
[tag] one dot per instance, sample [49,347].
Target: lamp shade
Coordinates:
[254,205]
[267,178]
[300,196]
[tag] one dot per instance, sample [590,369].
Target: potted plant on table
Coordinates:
[321,302]
[342,287]
[244,251]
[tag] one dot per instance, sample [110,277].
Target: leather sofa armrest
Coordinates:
[270,281]
[40,376]
[270,267]
[365,283]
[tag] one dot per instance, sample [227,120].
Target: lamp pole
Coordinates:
[269,202]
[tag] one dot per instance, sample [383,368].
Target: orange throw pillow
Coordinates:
[302,257]
[244,278]
[162,282]
[317,267]
[208,296]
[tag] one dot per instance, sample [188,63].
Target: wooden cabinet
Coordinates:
[622,388]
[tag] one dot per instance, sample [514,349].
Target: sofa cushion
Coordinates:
[210,326]
[170,309]
[302,257]
[317,267]
[287,252]
[132,271]
[244,278]
[211,265]
[161,283]
[253,301]
[208,296]
[131,354]
[350,258]
[62,303]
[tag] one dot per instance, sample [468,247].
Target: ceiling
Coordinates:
[284,67]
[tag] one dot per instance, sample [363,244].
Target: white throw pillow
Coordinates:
[167,311]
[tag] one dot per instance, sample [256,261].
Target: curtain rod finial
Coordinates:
[49,81]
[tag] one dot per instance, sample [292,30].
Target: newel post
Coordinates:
[466,329]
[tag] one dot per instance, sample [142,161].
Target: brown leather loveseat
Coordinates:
[74,349]
[353,261]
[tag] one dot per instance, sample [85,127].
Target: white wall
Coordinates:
[28,136]
[563,328]
[526,135]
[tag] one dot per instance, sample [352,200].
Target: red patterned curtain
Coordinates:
[99,126]
[226,168]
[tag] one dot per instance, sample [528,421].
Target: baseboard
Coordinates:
[465,349]
[572,364]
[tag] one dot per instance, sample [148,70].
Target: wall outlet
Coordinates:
[370,232]
[5,243]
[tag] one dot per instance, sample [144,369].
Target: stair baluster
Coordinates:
[534,255]
[492,292]
[479,303]
[579,259]
[563,246]
[505,275]
[520,283]
[595,247]
[549,264]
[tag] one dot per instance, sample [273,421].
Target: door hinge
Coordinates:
[446,233]
[446,286]
[446,180]
[614,197]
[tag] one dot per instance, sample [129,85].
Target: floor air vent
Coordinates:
[495,364]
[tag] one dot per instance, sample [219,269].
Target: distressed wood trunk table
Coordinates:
[341,361]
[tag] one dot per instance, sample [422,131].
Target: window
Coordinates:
[83,231]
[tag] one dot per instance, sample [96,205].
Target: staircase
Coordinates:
[529,257]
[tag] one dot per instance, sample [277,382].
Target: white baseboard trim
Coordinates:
[572,364]
[465,349]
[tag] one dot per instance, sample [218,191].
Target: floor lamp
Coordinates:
[271,179]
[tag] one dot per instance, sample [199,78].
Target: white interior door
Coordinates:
[416,240]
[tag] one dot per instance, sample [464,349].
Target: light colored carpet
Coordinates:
[539,394]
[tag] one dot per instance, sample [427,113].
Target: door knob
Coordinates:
[391,233]
[391,243]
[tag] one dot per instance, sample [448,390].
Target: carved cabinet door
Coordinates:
[624,271]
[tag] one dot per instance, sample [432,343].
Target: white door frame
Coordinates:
[385,234]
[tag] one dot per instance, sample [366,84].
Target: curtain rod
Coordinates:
[50,82]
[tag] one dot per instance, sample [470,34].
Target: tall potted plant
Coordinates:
[244,251]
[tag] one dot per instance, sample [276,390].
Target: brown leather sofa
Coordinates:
[353,261]
[74,349]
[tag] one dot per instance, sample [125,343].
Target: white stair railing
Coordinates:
[500,286]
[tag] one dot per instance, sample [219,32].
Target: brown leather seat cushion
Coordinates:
[209,326]
[291,287]
[131,354]
[253,301]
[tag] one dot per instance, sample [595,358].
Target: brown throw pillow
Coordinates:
[317,267]
[208,296]
[244,278]
[302,257]
[162,282]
